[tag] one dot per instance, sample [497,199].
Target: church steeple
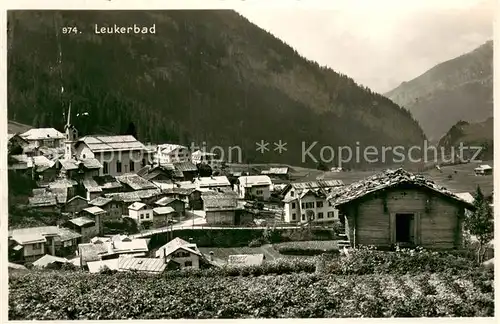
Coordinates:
[71,137]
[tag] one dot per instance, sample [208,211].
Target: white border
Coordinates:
[217,4]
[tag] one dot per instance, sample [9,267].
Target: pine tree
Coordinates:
[480,223]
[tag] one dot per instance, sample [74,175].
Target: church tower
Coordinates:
[71,138]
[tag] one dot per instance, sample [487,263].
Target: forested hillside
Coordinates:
[204,76]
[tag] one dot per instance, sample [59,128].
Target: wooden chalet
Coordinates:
[396,207]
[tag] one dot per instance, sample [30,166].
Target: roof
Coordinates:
[17,266]
[94,210]
[42,201]
[42,163]
[96,266]
[75,198]
[246,259]
[32,235]
[257,180]
[166,201]
[148,265]
[42,133]
[100,201]
[179,191]
[174,245]
[316,184]
[199,153]
[48,259]
[163,210]
[385,180]
[91,163]
[94,251]
[62,183]
[217,181]
[134,195]
[219,201]
[168,148]
[112,143]
[185,166]
[466,197]
[483,167]
[276,171]
[135,182]
[91,185]
[81,221]
[66,234]
[69,164]
[137,206]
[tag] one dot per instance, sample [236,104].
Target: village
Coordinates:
[116,193]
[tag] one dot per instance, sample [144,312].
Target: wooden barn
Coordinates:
[396,207]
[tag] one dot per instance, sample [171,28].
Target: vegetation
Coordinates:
[307,247]
[204,76]
[480,223]
[415,284]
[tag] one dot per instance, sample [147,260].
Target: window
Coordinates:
[84,156]
[143,162]
[259,192]
[142,216]
[303,216]
[105,168]
[303,205]
[294,216]
[67,243]
[330,204]
[147,215]
[309,204]
[291,193]
[320,215]
[37,246]
[293,205]
[132,166]
[188,264]
[329,215]
[319,204]
[118,166]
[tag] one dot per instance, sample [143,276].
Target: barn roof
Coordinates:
[174,245]
[185,166]
[214,181]
[148,265]
[385,180]
[112,143]
[135,182]
[256,180]
[42,134]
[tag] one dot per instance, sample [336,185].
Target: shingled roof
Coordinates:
[135,182]
[385,180]
[112,143]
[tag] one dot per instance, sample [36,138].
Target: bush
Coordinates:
[307,247]
[367,260]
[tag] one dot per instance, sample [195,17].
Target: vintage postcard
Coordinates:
[248,161]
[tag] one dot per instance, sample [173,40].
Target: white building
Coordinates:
[44,137]
[181,253]
[483,170]
[254,187]
[117,154]
[172,153]
[213,182]
[206,158]
[140,212]
[306,201]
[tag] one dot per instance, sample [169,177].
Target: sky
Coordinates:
[382,43]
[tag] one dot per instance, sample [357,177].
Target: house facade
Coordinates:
[180,252]
[172,153]
[396,207]
[44,137]
[75,205]
[254,187]
[202,157]
[140,212]
[178,205]
[307,202]
[112,207]
[117,154]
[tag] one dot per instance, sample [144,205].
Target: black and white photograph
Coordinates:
[250,161]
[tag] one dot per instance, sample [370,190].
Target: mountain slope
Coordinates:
[458,89]
[471,135]
[204,76]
